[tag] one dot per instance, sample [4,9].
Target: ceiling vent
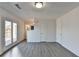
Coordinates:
[17,6]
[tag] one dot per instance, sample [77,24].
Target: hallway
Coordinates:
[42,49]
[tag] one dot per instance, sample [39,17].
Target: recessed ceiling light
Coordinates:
[38,4]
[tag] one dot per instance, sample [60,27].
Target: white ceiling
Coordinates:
[52,10]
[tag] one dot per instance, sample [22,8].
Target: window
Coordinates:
[7,33]
[14,32]
[10,32]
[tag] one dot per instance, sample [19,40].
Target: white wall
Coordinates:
[12,18]
[44,31]
[68,25]
[0,37]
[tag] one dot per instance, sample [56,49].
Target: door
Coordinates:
[43,31]
[59,30]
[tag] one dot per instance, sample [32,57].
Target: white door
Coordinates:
[43,32]
[59,30]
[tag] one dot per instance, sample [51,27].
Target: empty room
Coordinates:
[39,29]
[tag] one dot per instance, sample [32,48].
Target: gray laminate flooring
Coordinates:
[38,50]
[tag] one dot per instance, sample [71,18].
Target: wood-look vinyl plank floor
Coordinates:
[38,50]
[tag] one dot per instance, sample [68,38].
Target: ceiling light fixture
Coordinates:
[38,4]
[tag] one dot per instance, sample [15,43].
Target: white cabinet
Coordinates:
[33,35]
